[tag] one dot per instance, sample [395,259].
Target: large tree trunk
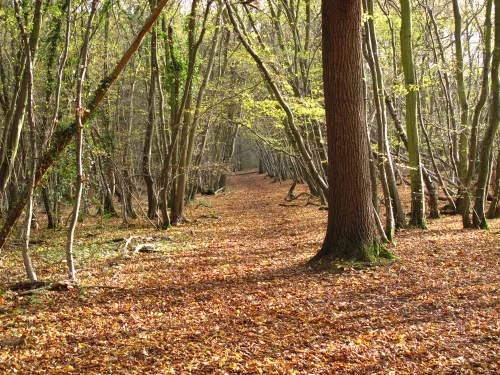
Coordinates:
[352,231]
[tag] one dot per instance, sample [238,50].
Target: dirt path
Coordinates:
[233,296]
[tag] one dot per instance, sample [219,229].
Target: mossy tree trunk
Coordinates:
[417,189]
[466,217]
[479,218]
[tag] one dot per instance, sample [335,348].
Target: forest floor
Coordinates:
[230,293]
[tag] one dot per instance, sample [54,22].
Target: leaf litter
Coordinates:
[235,296]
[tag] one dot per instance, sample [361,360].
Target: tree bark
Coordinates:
[464,109]
[79,111]
[352,230]
[148,138]
[12,134]
[466,217]
[417,189]
[479,218]
[30,179]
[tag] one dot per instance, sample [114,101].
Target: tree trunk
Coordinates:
[382,151]
[352,230]
[148,138]
[464,107]
[493,211]
[479,218]
[296,136]
[417,189]
[79,110]
[466,217]
[12,134]
[30,175]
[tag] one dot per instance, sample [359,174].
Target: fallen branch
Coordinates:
[15,341]
[28,285]
[243,174]
[38,286]
[290,205]
[210,217]
[290,194]
[146,248]
[201,204]
[100,287]
[290,198]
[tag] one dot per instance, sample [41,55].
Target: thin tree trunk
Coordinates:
[12,134]
[382,152]
[177,115]
[466,218]
[493,211]
[148,138]
[290,121]
[417,190]
[479,218]
[30,271]
[79,111]
[431,188]
[464,106]
[182,181]
[127,161]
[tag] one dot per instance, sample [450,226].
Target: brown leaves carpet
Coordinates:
[233,296]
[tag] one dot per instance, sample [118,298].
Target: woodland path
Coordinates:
[233,296]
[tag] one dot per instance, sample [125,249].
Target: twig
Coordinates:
[201,204]
[127,242]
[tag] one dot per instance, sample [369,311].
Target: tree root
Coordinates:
[291,197]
